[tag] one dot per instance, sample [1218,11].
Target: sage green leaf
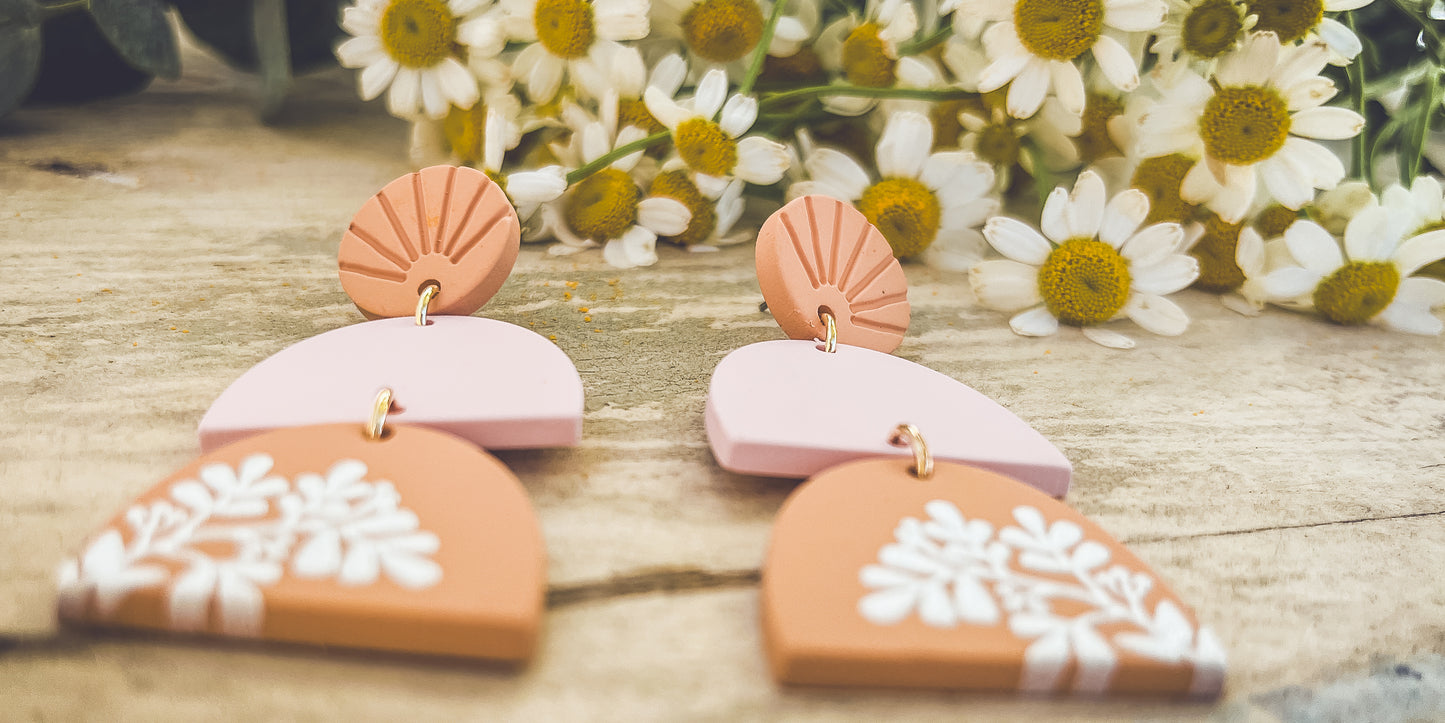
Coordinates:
[19,51]
[140,30]
[227,27]
[77,63]
[273,48]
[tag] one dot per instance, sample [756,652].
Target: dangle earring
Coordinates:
[306,519]
[909,558]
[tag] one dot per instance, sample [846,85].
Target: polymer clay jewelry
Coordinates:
[893,568]
[308,518]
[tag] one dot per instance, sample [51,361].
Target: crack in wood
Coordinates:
[651,581]
[1252,530]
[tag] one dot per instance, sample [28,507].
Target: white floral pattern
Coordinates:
[337,526]
[953,571]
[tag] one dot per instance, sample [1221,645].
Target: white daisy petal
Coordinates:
[1290,283]
[376,77]
[1371,235]
[1052,221]
[1134,15]
[1339,37]
[1026,92]
[1153,244]
[1286,181]
[405,93]
[669,74]
[662,107]
[738,115]
[620,19]
[1157,314]
[545,79]
[1327,123]
[761,160]
[971,214]
[1166,277]
[1422,291]
[1084,213]
[955,250]
[458,85]
[1335,6]
[637,247]
[1326,170]
[1427,197]
[361,52]
[1411,319]
[1017,240]
[838,170]
[905,145]
[1106,338]
[1249,252]
[1313,247]
[1068,85]
[1117,63]
[1310,93]
[711,92]
[1122,217]
[1416,252]
[1037,322]
[663,216]
[1005,285]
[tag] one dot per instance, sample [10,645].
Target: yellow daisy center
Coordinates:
[905,211]
[566,28]
[1084,281]
[1211,28]
[418,33]
[1058,29]
[998,145]
[705,146]
[1160,178]
[865,59]
[946,128]
[1244,125]
[677,186]
[1289,19]
[465,132]
[1274,220]
[634,112]
[1357,291]
[1094,141]
[1216,251]
[603,205]
[723,30]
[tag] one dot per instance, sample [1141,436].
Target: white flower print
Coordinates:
[339,526]
[953,571]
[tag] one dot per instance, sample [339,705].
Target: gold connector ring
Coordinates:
[830,336]
[423,302]
[909,436]
[376,426]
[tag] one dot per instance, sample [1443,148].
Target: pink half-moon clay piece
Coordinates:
[789,409]
[494,384]
[446,224]
[818,253]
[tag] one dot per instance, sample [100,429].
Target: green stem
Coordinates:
[606,159]
[862,92]
[1422,131]
[760,53]
[1437,44]
[61,8]
[914,47]
[1361,165]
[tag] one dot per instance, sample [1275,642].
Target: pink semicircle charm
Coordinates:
[789,409]
[495,384]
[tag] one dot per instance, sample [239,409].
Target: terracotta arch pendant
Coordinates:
[417,542]
[968,580]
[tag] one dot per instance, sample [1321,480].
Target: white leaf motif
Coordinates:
[190,596]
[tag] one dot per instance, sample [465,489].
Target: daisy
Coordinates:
[412,47]
[719,32]
[1197,33]
[1040,142]
[1091,264]
[608,208]
[625,75]
[1261,250]
[1424,206]
[1371,281]
[567,34]
[715,149]
[866,53]
[1035,45]
[713,217]
[1250,123]
[1304,21]
[924,204]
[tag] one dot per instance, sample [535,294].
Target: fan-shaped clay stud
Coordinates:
[446,224]
[787,409]
[818,253]
[968,580]
[417,542]
[495,384]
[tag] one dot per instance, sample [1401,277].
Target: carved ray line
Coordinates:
[476,238]
[462,225]
[853,256]
[872,276]
[396,226]
[817,241]
[380,248]
[880,302]
[378,274]
[882,326]
[419,197]
[447,190]
[798,249]
[836,241]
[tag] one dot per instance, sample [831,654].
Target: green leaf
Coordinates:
[226,26]
[19,51]
[141,32]
[273,47]
[77,64]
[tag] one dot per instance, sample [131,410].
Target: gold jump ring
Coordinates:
[423,302]
[908,435]
[830,336]
[376,426]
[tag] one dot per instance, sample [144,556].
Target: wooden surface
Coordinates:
[1285,475]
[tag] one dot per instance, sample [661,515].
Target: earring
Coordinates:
[909,558]
[300,523]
